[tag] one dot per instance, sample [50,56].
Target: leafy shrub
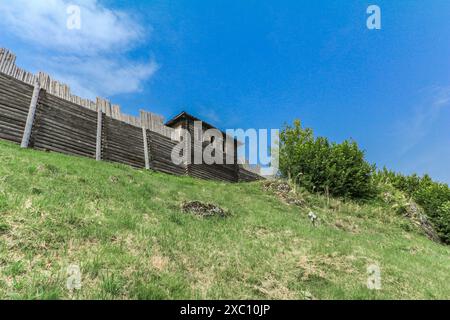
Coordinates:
[320,166]
[433,197]
[341,170]
[442,220]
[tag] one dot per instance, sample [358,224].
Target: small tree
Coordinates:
[321,166]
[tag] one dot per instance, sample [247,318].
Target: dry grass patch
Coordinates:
[274,289]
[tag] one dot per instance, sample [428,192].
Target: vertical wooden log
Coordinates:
[98,151]
[3,53]
[12,63]
[108,108]
[144,134]
[146,151]
[31,113]
[6,63]
[237,169]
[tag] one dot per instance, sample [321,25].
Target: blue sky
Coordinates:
[259,64]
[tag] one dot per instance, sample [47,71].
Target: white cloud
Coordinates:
[92,60]
[100,76]
[44,23]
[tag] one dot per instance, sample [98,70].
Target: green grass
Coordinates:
[125,230]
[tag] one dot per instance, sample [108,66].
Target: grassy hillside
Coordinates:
[126,231]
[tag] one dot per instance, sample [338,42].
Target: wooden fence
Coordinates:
[41,113]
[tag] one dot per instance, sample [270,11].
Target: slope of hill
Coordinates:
[126,231]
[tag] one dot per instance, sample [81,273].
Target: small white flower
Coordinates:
[313,217]
[374,277]
[73,277]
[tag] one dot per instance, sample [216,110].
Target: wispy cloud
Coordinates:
[416,126]
[441,96]
[92,59]
[100,75]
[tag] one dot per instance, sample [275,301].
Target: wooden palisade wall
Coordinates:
[62,122]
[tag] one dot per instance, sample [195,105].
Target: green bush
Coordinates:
[442,221]
[433,197]
[320,166]
[341,170]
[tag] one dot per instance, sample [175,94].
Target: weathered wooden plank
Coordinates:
[73,128]
[55,143]
[2,58]
[64,138]
[145,142]
[13,130]
[69,107]
[49,146]
[30,118]
[12,112]
[8,84]
[126,153]
[98,152]
[15,97]
[15,123]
